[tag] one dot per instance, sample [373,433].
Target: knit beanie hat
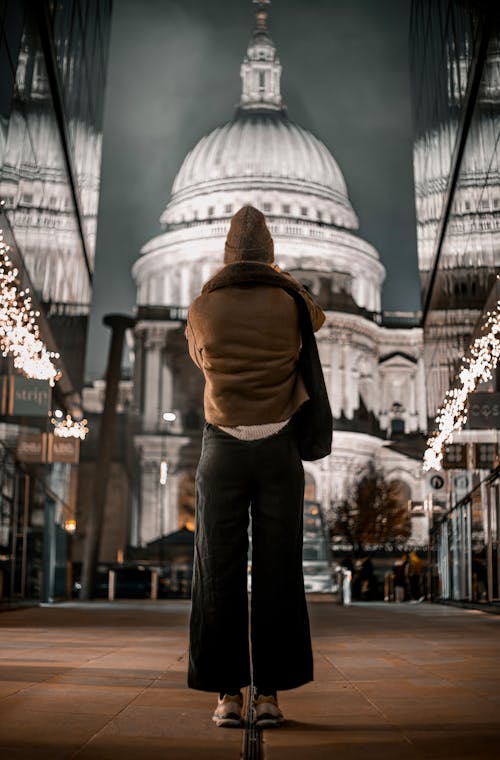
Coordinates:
[248,238]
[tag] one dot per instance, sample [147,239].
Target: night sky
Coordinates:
[174,75]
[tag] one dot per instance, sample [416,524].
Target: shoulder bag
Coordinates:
[314,420]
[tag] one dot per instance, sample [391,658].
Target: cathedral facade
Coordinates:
[373,364]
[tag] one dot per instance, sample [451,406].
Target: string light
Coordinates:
[19,331]
[477,367]
[70,428]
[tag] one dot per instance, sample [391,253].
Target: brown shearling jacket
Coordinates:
[243,333]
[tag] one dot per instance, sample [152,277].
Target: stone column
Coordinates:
[335,378]
[350,388]
[422,400]
[150,523]
[154,344]
[185,298]
[167,387]
[172,512]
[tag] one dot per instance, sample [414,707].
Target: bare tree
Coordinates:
[372,513]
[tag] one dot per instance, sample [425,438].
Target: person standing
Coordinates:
[400,571]
[243,333]
[415,576]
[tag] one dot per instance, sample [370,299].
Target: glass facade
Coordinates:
[53,59]
[455,64]
[455,70]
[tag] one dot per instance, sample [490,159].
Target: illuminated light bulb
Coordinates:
[69,428]
[70,526]
[19,333]
[484,354]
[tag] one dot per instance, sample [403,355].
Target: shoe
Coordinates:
[228,711]
[266,712]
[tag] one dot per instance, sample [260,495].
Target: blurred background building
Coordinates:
[53,58]
[455,72]
[372,360]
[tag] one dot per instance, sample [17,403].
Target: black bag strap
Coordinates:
[305,324]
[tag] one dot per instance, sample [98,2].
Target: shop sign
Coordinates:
[43,448]
[32,447]
[25,397]
[484,411]
[63,449]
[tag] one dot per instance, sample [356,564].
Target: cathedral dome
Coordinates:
[263,159]
[261,151]
[268,148]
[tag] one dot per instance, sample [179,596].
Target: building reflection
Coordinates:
[53,58]
[455,62]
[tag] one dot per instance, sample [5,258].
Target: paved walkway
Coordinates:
[102,682]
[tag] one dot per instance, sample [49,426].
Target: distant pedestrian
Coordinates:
[400,570]
[415,576]
[367,579]
[243,333]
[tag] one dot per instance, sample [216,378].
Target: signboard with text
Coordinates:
[24,397]
[32,447]
[47,448]
[63,449]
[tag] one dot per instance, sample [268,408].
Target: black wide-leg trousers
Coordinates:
[233,478]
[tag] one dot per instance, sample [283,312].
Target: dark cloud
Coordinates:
[174,75]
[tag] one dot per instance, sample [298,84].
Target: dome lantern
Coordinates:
[261,68]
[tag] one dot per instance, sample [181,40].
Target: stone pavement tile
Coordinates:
[325,670]
[465,673]
[89,675]
[298,740]
[341,707]
[372,667]
[151,748]
[70,698]
[431,712]
[476,742]
[181,729]
[19,727]
[120,671]
[12,687]
[171,679]
[171,698]
[178,721]
[407,687]
[71,655]
[30,749]
[30,672]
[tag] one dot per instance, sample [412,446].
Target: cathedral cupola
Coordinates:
[261,68]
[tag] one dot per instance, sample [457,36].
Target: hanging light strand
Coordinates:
[477,367]
[19,331]
[70,428]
